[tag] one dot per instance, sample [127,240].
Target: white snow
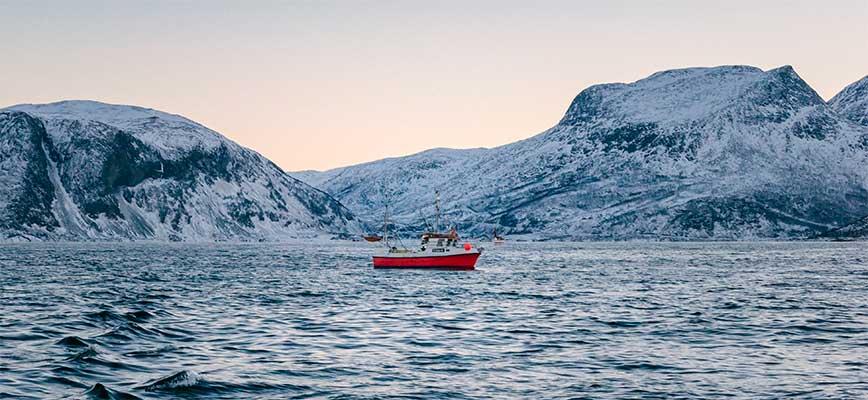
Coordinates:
[171,134]
[852,102]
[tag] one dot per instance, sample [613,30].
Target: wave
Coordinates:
[84,355]
[73,341]
[23,336]
[111,316]
[150,352]
[62,380]
[104,316]
[647,366]
[619,323]
[128,331]
[189,382]
[138,316]
[181,379]
[92,356]
[100,391]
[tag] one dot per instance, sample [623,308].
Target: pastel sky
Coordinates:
[322,84]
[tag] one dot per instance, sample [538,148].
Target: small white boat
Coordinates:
[497,239]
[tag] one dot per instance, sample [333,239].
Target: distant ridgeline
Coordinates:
[82,170]
[730,153]
[727,153]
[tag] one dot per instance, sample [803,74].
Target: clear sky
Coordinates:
[321,84]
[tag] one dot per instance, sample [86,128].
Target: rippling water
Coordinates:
[598,320]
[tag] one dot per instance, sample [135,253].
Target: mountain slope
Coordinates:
[82,170]
[852,102]
[700,153]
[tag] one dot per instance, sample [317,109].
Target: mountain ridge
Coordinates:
[852,101]
[719,153]
[664,156]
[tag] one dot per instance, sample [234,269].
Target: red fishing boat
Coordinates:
[437,251]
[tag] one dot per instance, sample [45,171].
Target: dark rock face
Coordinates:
[857,229]
[23,141]
[701,153]
[91,171]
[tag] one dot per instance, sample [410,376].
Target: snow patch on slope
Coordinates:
[64,209]
[170,133]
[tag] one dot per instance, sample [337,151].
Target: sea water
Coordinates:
[535,320]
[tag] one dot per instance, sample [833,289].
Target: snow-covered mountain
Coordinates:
[729,152]
[852,102]
[83,170]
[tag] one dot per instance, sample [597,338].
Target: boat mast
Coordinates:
[437,207]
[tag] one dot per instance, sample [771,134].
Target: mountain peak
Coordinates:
[852,101]
[96,111]
[670,97]
[682,73]
[788,83]
[784,69]
[168,132]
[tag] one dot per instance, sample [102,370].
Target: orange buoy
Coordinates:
[467,246]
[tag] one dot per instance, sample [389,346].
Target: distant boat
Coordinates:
[372,238]
[497,239]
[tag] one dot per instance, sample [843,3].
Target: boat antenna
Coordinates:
[425,220]
[437,207]
[386,226]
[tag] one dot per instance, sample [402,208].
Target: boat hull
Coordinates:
[464,261]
